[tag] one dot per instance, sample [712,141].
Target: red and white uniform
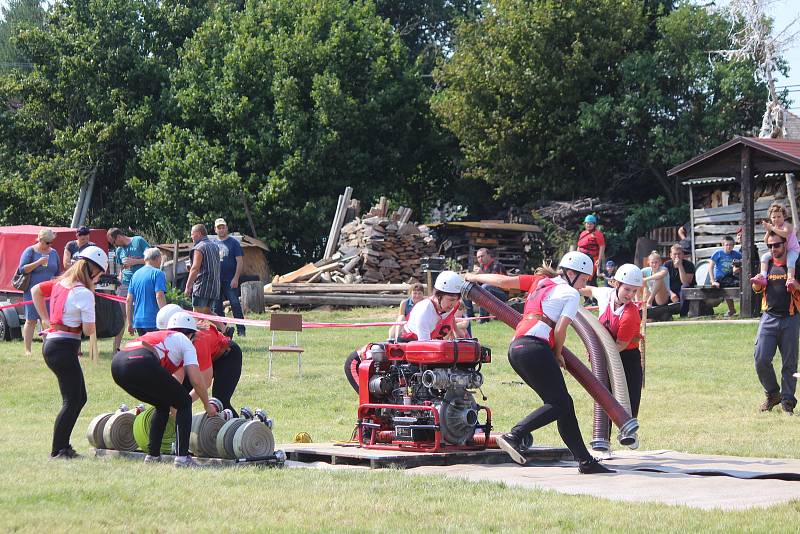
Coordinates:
[426,322]
[623,322]
[551,298]
[173,349]
[68,307]
[209,343]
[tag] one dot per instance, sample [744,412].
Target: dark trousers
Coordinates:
[61,356]
[632,364]
[232,295]
[143,331]
[140,374]
[227,371]
[534,362]
[778,333]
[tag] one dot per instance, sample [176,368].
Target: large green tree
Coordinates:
[17,16]
[555,98]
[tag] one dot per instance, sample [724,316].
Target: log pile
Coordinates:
[568,215]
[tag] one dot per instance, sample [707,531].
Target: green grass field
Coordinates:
[702,396]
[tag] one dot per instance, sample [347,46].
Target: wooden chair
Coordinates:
[286,322]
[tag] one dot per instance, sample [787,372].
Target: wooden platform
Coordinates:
[276,460]
[352,454]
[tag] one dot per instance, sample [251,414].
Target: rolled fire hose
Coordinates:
[118,432]
[605,354]
[627,425]
[141,431]
[203,438]
[253,440]
[225,438]
[95,431]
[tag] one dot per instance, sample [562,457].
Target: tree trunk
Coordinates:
[252,297]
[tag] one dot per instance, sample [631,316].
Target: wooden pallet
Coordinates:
[275,460]
[352,454]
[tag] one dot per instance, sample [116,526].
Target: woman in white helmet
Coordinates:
[535,352]
[620,316]
[144,368]
[219,359]
[435,317]
[72,305]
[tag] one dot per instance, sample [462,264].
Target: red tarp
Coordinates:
[14,240]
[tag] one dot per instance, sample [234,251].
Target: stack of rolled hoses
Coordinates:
[141,431]
[622,418]
[253,440]
[118,431]
[94,434]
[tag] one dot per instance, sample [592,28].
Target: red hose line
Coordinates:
[598,391]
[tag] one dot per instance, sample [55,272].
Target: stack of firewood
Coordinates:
[385,248]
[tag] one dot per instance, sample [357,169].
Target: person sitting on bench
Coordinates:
[726,264]
[656,276]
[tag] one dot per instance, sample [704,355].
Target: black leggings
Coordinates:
[140,374]
[534,362]
[61,356]
[632,363]
[227,371]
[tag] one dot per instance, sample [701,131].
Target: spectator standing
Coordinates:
[685,236]
[203,282]
[146,294]
[592,242]
[129,252]
[607,274]
[777,224]
[231,260]
[778,329]
[80,242]
[681,275]
[724,271]
[41,261]
[655,275]
[486,265]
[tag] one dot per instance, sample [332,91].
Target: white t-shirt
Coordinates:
[177,348]
[78,309]
[605,298]
[562,301]
[423,319]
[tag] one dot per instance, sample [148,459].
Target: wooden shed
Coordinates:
[748,172]
[509,243]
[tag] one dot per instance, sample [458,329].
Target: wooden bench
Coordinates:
[712,296]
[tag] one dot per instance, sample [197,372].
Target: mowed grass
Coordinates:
[701,396]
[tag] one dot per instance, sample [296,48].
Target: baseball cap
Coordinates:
[219,222]
[83,230]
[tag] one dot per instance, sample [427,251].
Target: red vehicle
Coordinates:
[13,241]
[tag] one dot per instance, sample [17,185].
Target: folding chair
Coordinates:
[286,322]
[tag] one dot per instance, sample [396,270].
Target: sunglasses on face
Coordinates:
[775,245]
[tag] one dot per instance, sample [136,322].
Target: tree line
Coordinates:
[188,110]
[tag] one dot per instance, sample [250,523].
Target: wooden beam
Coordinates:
[749,260]
[691,230]
[328,300]
[338,219]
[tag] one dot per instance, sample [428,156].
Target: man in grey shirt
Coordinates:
[203,282]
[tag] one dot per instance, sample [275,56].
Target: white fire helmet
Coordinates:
[95,255]
[449,282]
[577,261]
[164,315]
[182,320]
[629,274]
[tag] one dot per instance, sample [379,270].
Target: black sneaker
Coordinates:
[67,453]
[788,406]
[593,467]
[513,446]
[241,334]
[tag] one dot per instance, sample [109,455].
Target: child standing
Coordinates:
[777,223]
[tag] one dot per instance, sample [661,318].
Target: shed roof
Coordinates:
[767,155]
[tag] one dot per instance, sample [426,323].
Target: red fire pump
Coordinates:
[418,396]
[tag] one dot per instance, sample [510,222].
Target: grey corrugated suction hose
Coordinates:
[203,438]
[225,438]
[118,432]
[253,440]
[94,434]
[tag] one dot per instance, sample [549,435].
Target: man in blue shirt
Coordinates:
[146,294]
[725,268]
[129,253]
[231,256]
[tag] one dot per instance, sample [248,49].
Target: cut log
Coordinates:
[252,297]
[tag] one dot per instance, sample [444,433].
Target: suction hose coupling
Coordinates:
[627,432]
[603,445]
